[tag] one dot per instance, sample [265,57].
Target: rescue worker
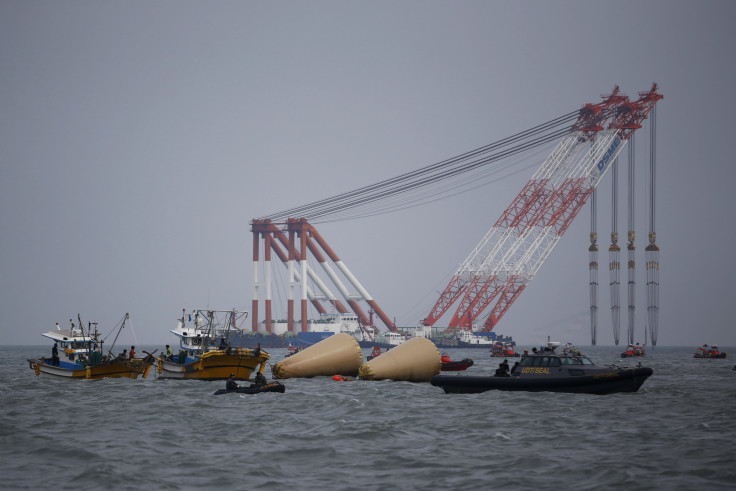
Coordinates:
[260,380]
[231,384]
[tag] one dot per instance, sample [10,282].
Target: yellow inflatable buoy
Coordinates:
[416,360]
[338,354]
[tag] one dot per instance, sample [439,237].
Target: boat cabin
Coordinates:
[545,360]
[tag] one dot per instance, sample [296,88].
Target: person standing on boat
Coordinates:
[231,384]
[131,353]
[169,353]
[55,355]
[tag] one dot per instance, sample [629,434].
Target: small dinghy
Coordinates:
[253,389]
[448,365]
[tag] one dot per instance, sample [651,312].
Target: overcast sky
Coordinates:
[138,139]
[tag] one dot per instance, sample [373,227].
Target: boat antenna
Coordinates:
[81,328]
[208,332]
[97,339]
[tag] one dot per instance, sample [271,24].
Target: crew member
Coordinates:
[260,379]
[55,355]
[169,353]
[231,384]
[131,353]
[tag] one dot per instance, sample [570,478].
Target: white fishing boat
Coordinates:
[79,354]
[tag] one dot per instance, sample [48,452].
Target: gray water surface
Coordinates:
[677,432]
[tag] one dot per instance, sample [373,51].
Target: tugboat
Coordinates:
[546,370]
[706,351]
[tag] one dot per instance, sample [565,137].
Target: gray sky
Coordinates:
[138,139]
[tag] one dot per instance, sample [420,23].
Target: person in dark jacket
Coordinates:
[231,384]
[260,380]
[55,355]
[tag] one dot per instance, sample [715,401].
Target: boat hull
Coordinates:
[119,369]
[272,387]
[456,366]
[605,382]
[215,365]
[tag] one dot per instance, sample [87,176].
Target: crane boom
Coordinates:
[510,254]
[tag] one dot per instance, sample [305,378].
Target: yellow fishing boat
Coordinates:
[204,352]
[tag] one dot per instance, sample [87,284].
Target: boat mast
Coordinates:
[122,325]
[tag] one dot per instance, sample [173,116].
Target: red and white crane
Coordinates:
[508,257]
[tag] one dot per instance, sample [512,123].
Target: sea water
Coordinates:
[677,432]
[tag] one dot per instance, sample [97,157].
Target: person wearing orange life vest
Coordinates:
[131,353]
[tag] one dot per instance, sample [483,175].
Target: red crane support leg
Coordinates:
[254,302]
[452,291]
[290,302]
[359,312]
[478,302]
[267,266]
[510,293]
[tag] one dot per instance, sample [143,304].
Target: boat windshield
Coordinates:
[553,361]
[541,361]
[576,360]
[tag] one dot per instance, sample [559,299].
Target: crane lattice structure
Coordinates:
[500,267]
[292,242]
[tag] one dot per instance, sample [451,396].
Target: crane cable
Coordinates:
[434,173]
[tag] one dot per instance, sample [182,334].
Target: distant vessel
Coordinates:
[706,351]
[461,338]
[205,352]
[279,336]
[80,355]
[634,350]
[503,350]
